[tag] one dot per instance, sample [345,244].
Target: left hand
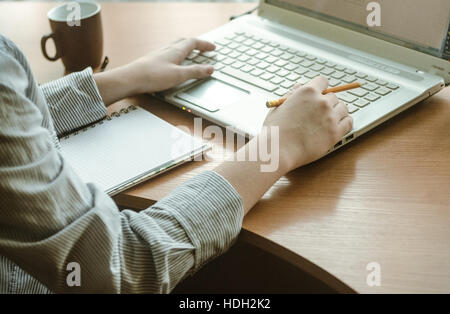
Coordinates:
[161,70]
[153,72]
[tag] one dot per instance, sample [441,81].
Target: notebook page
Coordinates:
[126,147]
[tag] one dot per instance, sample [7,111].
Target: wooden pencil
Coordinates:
[336,89]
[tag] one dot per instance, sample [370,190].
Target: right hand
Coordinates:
[309,123]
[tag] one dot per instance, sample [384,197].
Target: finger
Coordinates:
[288,94]
[196,71]
[189,44]
[177,41]
[345,125]
[320,82]
[204,45]
[341,110]
[332,99]
[297,85]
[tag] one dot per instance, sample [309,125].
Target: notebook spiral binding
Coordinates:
[109,117]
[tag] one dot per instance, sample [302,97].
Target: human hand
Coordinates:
[309,123]
[162,69]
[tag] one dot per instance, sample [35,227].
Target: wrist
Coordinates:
[291,156]
[135,80]
[287,161]
[116,84]
[269,154]
[129,76]
[281,148]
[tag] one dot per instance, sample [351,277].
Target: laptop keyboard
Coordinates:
[275,68]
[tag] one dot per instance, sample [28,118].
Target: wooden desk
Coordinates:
[384,198]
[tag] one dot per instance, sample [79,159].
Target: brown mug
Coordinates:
[77,34]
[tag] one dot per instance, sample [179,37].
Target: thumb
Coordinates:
[197,71]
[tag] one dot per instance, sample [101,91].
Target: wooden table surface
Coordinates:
[384,198]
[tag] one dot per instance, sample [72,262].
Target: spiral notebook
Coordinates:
[127,148]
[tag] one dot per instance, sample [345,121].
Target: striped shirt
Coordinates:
[50,219]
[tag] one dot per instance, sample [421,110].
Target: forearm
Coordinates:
[117,83]
[247,177]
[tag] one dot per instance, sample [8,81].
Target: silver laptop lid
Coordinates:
[423,26]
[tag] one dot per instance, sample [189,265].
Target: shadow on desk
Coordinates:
[245,268]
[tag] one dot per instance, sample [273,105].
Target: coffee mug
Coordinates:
[77,34]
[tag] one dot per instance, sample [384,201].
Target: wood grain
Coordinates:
[383,198]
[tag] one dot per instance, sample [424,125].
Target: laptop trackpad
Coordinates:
[212,94]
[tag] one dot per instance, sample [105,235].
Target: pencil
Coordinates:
[336,89]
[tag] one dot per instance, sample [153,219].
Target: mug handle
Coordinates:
[44,51]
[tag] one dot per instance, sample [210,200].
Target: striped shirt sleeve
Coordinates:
[51,219]
[73,101]
[209,190]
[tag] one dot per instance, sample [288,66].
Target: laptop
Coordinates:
[260,57]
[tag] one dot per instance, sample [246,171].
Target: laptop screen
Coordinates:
[416,24]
